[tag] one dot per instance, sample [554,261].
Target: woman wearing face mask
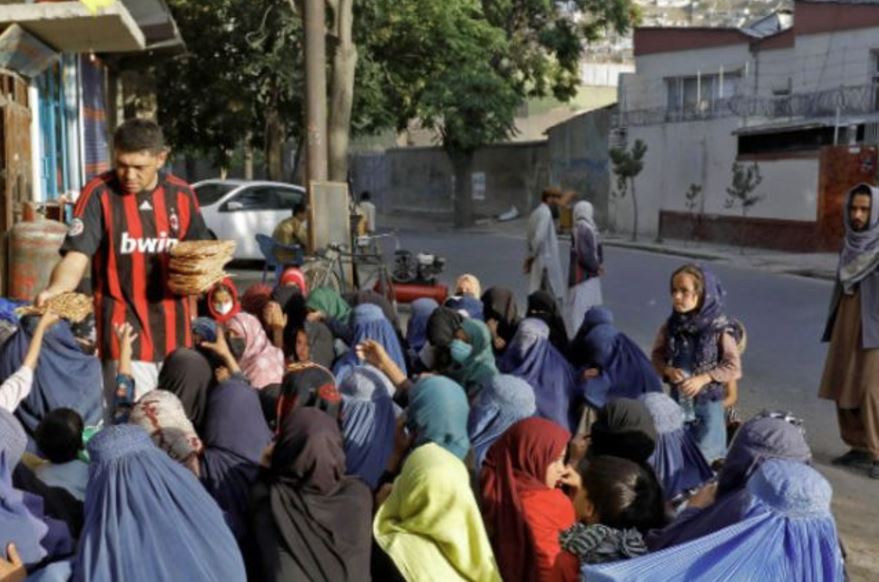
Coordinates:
[223,302]
[261,362]
[695,352]
[472,356]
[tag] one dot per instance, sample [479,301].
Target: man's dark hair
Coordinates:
[300,208]
[137,135]
[625,494]
[862,190]
[365,196]
[59,435]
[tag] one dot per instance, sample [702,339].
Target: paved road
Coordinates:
[784,316]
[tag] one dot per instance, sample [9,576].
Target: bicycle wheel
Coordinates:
[318,275]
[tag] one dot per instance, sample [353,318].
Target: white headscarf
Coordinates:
[583,211]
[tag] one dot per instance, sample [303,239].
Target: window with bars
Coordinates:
[699,94]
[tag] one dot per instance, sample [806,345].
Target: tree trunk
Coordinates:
[248,155]
[341,90]
[635,212]
[463,199]
[274,145]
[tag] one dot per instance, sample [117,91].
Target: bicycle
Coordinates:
[328,267]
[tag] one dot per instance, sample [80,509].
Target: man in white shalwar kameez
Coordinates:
[543,264]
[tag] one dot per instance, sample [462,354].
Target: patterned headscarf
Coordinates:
[261,362]
[161,415]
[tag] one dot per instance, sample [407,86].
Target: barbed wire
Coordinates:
[853,100]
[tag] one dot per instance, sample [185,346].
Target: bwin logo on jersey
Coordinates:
[162,244]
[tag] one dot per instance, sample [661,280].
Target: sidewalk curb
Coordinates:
[663,250]
[808,273]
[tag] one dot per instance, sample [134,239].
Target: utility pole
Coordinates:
[315,100]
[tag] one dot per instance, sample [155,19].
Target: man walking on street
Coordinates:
[126,221]
[543,264]
[851,372]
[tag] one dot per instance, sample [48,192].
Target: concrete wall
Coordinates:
[650,89]
[828,61]
[702,152]
[421,179]
[579,161]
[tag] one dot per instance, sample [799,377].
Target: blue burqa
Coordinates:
[533,358]
[22,518]
[369,422]
[677,460]
[416,329]
[148,518]
[502,402]
[234,436]
[624,370]
[784,531]
[66,377]
[757,441]
[369,323]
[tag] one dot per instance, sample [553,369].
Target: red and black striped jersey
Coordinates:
[129,236]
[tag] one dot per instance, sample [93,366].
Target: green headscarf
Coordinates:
[480,367]
[437,413]
[329,302]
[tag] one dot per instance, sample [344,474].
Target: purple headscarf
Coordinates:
[677,460]
[860,254]
[533,358]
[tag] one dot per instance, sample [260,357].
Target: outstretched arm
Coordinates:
[65,277]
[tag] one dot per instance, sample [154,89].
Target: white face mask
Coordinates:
[222,308]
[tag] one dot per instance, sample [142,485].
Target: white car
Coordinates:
[240,209]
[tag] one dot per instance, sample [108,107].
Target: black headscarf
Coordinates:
[308,385]
[293,305]
[320,343]
[500,304]
[442,325]
[188,374]
[543,306]
[312,522]
[624,429]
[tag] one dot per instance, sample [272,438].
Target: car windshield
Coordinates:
[211,192]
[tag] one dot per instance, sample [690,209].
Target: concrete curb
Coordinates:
[776,268]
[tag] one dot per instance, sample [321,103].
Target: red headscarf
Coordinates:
[516,464]
[236,305]
[293,276]
[256,298]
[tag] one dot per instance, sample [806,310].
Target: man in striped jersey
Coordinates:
[126,221]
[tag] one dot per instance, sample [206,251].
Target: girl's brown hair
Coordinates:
[698,278]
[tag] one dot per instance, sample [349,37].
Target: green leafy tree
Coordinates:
[627,164]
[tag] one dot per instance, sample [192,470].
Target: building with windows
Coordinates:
[69,60]
[795,93]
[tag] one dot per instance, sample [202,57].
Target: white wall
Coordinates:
[703,152]
[652,70]
[828,61]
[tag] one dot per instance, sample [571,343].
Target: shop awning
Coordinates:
[70,27]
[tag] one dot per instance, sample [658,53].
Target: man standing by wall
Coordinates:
[126,221]
[543,264]
[851,372]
